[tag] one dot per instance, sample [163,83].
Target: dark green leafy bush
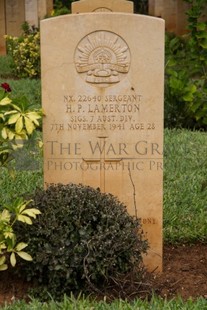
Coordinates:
[141,6]
[61,7]
[82,238]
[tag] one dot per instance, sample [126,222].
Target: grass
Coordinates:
[30,88]
[25,87]
[15,186]
[185,186]
[86,304]
[25,173]
[6,67]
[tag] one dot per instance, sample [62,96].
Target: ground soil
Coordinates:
[185,272]
[185,275]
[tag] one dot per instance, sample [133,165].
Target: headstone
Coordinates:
[159,8]
[102,94]
[169,15]
[45,8]
[49,5]
[31,12]
[2,28]
[151,7]
[42,9]
[181,17]
[15,16]
[84,6]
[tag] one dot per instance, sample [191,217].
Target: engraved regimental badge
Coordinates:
[102,10]
[102,58]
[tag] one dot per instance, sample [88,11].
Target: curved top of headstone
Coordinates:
[84,6]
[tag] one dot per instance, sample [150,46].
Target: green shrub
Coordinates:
[186,78]
[25,51]
[82,239]
[141,7]
[176,81]
[61,7]
[60,11]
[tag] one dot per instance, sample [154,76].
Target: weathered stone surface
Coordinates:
[102,93]
[45,7]
[181,17]
[159,8]
[49,6]
[151,7]
[169,15]
[13,13]
[31,12]
[84,6]
[15,16]
[2,28]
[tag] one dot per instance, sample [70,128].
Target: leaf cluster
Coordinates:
[9,247]
[82,239]
[18,120]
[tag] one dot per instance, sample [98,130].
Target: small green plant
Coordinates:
[17,122]
[25,51]
[82,239]
[9,247]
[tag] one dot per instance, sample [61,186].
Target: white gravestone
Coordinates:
[102,93]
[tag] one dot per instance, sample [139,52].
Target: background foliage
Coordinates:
[140,6]
[25,51]
[186,73]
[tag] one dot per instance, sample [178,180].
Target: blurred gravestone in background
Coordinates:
[13,13]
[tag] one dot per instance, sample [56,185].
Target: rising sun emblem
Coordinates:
[102,58]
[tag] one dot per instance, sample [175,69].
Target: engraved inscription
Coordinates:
[102,10]
[103,113]
[149,221]
[102,58]
[98,112]
[12,8]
